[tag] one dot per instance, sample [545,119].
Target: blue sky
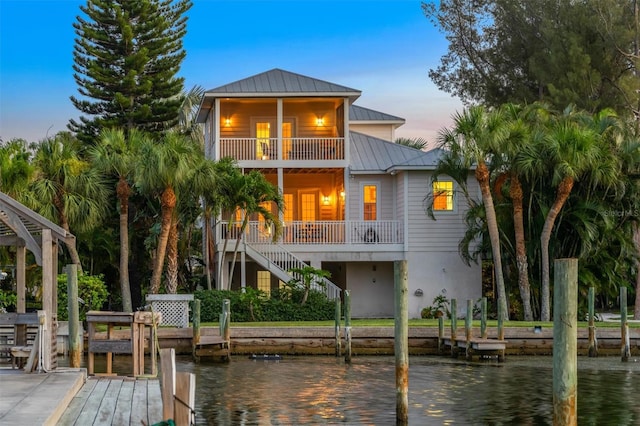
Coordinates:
[383,48]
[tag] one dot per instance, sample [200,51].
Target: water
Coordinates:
[442,391]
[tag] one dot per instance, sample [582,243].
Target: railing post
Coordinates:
[483,318]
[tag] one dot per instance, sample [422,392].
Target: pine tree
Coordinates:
[126,58]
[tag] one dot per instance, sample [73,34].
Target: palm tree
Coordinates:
[67,189]
[256,196]
[416,143]
[163,167]
[572,148]
[473,139]
[16,170]
[116,155]
[305,277]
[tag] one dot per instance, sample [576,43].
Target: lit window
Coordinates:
[443,195]
[370,199]
[264,282]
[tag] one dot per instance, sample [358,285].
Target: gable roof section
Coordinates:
[19,222]
[373,155]
[280,82]
[272,84]
[363,115]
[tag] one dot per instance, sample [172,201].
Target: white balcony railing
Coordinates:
[292,148]
[323,232]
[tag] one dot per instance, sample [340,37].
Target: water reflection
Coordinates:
[325,390]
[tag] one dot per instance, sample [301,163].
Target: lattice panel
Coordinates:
[174,312]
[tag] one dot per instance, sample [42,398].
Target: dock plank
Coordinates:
[76,405]
[90,410]
[122,413]
[154,405]
[108,404]
[139,403]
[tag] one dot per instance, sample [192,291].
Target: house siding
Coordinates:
[386,196]
[381,131]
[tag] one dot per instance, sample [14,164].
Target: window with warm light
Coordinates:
[264,282]
[370,202]
[443,195]
[263,135]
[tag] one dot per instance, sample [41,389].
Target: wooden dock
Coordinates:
[115,401]
[475,346]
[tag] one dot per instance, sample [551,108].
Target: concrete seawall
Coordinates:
[379,340]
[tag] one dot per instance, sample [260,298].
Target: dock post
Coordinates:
[338,317]
[226,323]
[75,344]
[347,326]
[196,328]
[168,382]
[454,327]
[624,326]
[565,342]
[440,334]
[401,341]
[593,341]
[483,318]
[468,324]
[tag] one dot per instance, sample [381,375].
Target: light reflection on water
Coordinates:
[442,391]
[325,390]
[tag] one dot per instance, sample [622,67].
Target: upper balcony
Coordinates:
[280,131]
[293,149]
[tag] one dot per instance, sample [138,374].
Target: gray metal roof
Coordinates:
[374,155]
[19,222]
[282,82]
[358,113]
[275,83]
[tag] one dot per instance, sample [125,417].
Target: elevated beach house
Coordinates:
[354,200]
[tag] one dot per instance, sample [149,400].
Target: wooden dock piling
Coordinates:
[593,342]
[401,341]
[347,325]
[624,326]
[565,342]
[338,317]
[75,342]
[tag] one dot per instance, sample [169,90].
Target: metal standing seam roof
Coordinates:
[275,83]
[358,113]
[374,155]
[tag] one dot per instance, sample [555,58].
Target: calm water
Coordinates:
[325,390]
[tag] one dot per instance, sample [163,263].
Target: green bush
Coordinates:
[283,305]
[8,300]
[91,289]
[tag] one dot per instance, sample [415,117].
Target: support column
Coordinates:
[49,281]
[21,266]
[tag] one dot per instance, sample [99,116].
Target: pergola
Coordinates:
[24,229]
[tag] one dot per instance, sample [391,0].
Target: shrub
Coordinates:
[283,305]
[91,290]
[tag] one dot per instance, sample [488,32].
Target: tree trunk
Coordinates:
[168,203]
[562,194]
[172,258]
[515,191]
[636,240]
[245,222]
[482,175]
[123,190]
[227,234]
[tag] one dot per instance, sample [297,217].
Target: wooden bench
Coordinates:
[18,336]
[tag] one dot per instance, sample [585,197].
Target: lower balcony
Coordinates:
[338,232]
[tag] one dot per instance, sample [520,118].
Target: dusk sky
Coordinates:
[383,48]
